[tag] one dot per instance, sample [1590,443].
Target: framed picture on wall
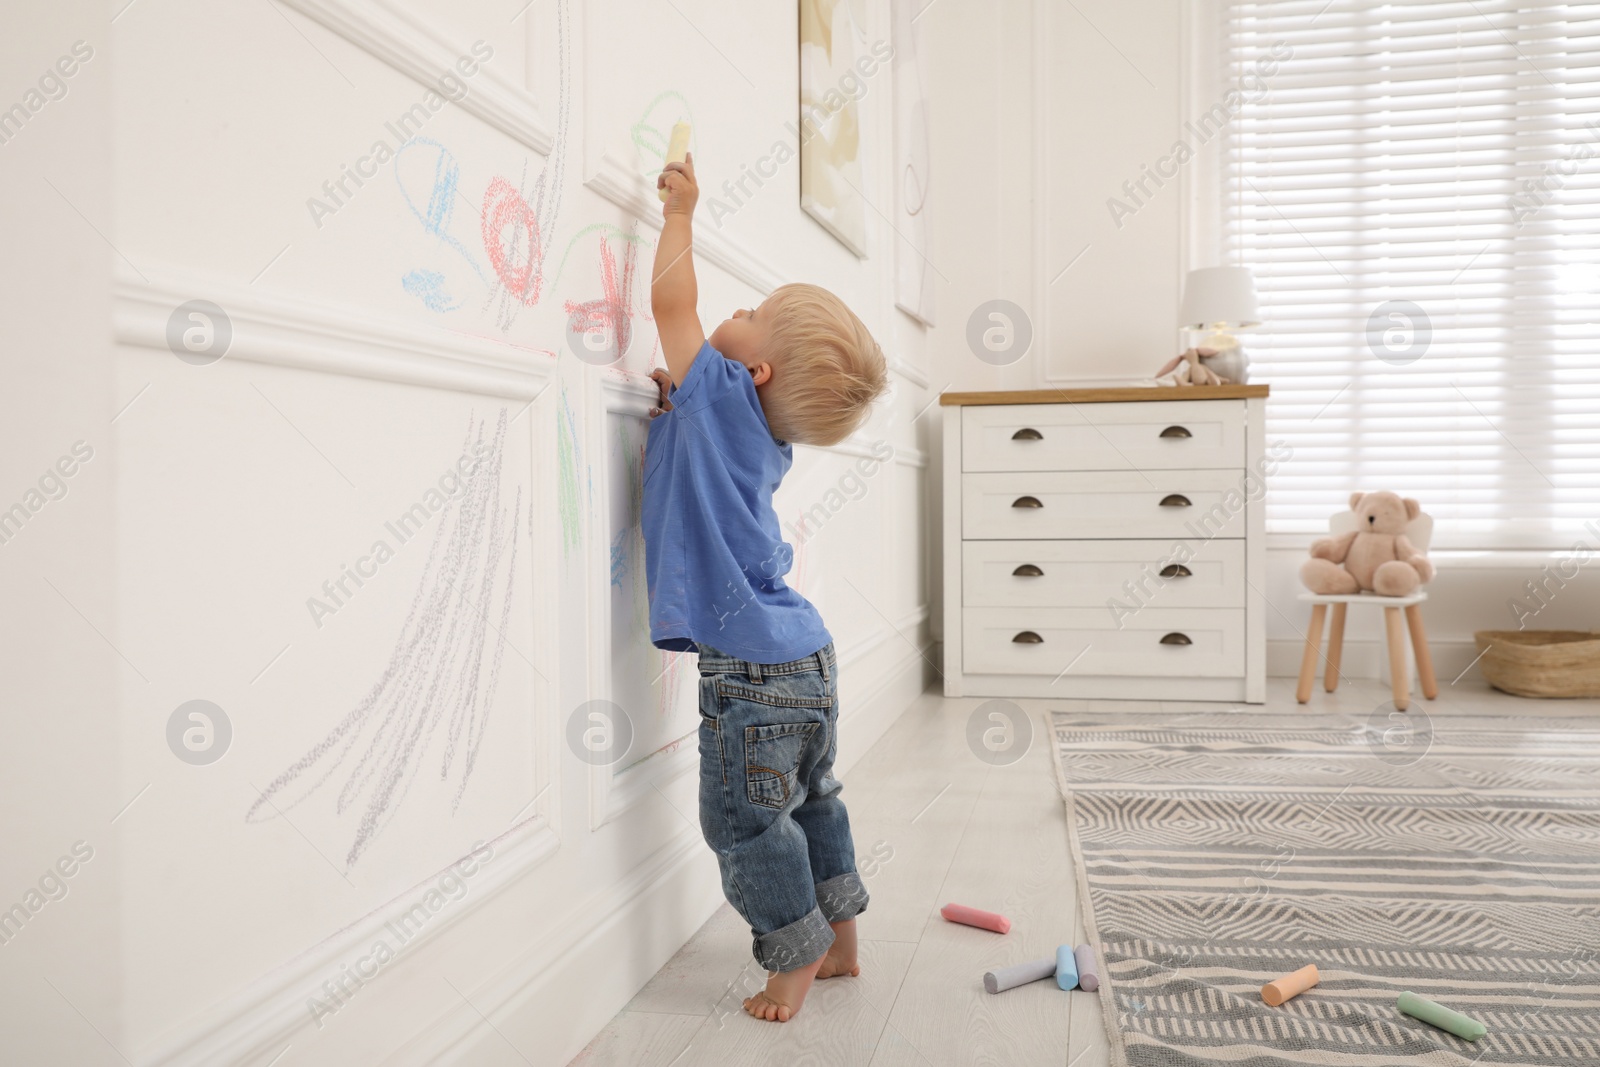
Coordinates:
[830,120]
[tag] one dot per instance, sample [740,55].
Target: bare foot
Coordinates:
[841,955]
[785,992]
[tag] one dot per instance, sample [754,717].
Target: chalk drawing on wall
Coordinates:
[516,221]
[429,179]
[600,330]
[608,319]
[569,458]
[515,231]
[429,708]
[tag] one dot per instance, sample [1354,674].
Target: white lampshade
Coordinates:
[1220,295]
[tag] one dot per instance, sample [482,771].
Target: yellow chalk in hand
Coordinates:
[677,151]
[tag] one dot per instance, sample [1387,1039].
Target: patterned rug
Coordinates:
[1458,858]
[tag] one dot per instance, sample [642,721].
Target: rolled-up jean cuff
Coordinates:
[801,942]
[843,897]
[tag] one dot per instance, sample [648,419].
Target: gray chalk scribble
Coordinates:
[439,667]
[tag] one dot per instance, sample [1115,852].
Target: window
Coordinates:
[1417,188]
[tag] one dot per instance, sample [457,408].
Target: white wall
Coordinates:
[373,341]
[62,952]
[1044,111]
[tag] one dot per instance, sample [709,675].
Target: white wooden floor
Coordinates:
[945,826]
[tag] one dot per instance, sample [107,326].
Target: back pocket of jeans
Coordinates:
[772,760]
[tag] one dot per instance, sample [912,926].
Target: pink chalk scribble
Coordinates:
[612,312]
[521,270]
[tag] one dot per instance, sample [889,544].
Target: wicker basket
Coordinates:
[1541,663]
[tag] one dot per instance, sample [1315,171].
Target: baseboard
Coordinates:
[264,1017]
[608,960]
[1367,658]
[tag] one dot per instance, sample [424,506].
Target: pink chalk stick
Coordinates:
[986,920]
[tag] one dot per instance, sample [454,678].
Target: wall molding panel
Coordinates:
[255,1023]
[397,38]
[613,792]
[289,332]
[261,1019]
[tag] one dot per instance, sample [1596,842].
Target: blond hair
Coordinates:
[828,368]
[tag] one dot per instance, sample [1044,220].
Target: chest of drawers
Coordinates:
[1106,543]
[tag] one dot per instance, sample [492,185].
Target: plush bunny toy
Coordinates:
[1376,555]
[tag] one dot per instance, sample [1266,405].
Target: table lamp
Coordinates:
[1222,300]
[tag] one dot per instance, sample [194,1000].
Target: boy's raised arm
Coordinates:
[674,295]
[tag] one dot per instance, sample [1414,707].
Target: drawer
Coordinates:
[1088,573]
[1200,504]
[1145,435]
[1089,640]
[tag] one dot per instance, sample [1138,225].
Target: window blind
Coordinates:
[1417,190]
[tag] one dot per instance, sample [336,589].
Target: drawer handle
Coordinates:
[1176,639]
[1028,433]
[1027,637]
[1176,431]
[1176,570]
[1032,502]
[1028,570]
[1176,500]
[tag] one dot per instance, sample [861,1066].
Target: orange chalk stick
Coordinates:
[1279,990]
[987,920]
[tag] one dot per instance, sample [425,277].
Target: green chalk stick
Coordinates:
[1441,1016]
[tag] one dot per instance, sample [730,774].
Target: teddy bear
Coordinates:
[1376,556]
[1190,369]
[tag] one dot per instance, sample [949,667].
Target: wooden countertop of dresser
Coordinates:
[1107,395]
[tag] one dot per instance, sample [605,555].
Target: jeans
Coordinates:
[769,803]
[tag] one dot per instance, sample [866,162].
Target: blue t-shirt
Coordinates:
[714,556]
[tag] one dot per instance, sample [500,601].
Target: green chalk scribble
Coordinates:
[612,231]
[651,139]
[567,458]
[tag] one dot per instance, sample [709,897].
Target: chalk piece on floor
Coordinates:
[986,920]
[1004,978]
[1088,968]
[1066,967]
[1438,1015]
[1289,986]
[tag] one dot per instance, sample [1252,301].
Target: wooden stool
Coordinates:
[1395,637]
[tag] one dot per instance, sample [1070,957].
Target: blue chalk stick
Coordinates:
[1066,968]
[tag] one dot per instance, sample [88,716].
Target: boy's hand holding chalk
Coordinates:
[675,185]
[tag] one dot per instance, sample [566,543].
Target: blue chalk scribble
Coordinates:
[619,557]
[428,286]
[418,159]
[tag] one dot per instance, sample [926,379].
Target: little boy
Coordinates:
[801,367]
